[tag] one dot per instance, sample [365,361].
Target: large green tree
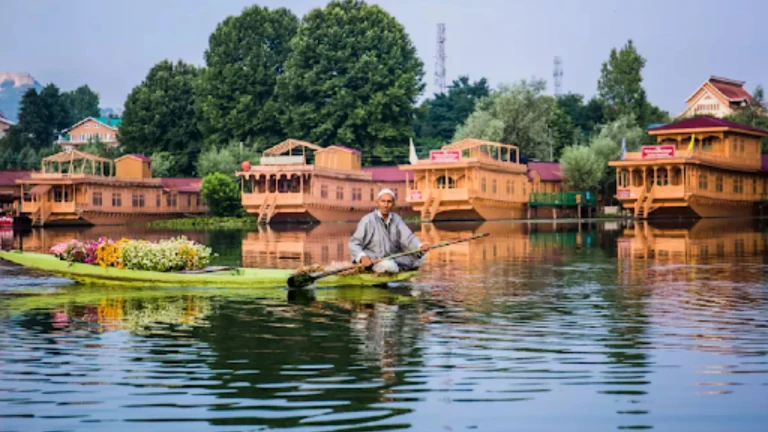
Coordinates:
[352,79]
[582,168]
[584,117]
[621,87]
[236,94]
[521,115]
[81,103]
[439,117]
[160,116]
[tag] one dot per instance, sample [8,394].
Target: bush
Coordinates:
[221,194]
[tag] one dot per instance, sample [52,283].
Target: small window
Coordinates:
[719,183]
[157,200]
[493,186]
[138,200]
[96,198]
[96,126]
[117,200]
[339,192]
[324,191]
[482,184]
[703,181]
[189,200]
[87,125]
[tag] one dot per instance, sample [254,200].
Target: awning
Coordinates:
[40,189]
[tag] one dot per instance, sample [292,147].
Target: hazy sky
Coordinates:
[110,45]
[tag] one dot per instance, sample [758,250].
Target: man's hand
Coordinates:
[424,247]
[365,261]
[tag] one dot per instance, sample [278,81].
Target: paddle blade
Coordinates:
[301,280]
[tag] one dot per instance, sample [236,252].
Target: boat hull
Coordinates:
[239,277]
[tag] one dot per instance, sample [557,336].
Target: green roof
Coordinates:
[111,122]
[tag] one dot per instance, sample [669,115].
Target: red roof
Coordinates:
[731,89]
[8,178]
[708,122]
[386,173]
[182,184]
[548,171]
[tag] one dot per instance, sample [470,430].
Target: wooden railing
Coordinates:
[562,199]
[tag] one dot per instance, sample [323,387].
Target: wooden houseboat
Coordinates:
[303,182]
[701,167]
[74,187]
[469,180]
[10,196]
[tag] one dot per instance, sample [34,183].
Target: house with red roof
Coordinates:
[103,129]
[545,177]
[718,97]
[699,167]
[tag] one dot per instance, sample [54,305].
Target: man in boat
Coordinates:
[382,233]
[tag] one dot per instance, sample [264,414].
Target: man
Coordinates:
[381,233]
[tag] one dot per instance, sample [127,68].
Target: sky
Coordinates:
[111,45]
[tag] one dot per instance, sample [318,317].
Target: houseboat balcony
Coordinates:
[30,206]
[632,193]
[419,197]
[707,157]
[281,198]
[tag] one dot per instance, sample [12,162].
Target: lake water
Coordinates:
[538,327]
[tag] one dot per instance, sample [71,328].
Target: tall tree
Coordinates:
[521,115]
[755,114]
[82,102]
[621,87]
[585,117]
[352,79]
[57,109]
[34,125]
[439,117]
[160,116]
[246,54]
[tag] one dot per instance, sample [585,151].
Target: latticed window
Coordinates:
[703,181]
[738,185]
[493,186]
[96,198]
[339,192]
[117,200]
[324,191]
[719,183]
[138,200]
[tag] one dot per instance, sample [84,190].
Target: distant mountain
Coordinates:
[12,88]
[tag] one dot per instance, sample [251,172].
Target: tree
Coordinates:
[159,115]
[582,168]
[225,159]
[163,165]
[34,125]
[82,103]
[246,54]
[221,194]
[521,115]
[439,117]
[585,117]
[621,87]
[352,79]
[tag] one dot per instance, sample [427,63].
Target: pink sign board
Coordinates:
[661,151]
[445,155]
[623,193]
[415,196]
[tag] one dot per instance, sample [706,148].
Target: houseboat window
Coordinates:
[738,185]
[706,144]
[509,187]
[170,200]
[734,146]
[493,186]
[742,144]
[197,200]
[482,184]
[138,200]
[157,200]
[372,195]
[754,186]
[117,200]
[703,181]
[339,192]
[324,191]
[189,200]
[719,183]
[58,195]
[677,176]
[96,198]
[662,179]
[443,184]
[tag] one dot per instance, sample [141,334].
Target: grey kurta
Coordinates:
[377,239]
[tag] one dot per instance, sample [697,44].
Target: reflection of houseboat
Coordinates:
[469,180]
[720,174]
[335,187]
[323,243]
[75,187]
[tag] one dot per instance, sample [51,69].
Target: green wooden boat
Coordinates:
[237,277]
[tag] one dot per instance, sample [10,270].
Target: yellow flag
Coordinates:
[693,143]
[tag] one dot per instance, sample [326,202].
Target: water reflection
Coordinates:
[550,326]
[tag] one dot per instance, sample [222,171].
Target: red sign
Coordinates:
[623,193]
[661,151]
[445,155]
[415,196]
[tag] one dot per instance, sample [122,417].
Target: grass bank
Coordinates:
[205,222]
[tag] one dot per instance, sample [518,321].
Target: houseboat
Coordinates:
[303,182]
[700,167]
[10,196]
[74,187]
[468,180]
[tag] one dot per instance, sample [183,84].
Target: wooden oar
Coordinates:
[303,280]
